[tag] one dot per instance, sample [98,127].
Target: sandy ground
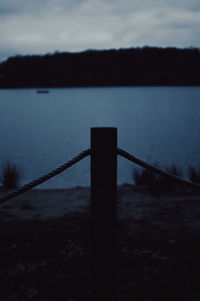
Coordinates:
[132,202]
[46,204]
[44,253]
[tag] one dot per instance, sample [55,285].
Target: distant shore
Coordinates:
[152,66]
[96,86]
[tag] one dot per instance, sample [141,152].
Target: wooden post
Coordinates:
[103,205]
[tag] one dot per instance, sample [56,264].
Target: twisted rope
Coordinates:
[7,196]
[44,178]
[156,170]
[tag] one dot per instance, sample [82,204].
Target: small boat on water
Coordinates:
[42,91]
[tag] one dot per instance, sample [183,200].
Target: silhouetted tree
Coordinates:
[133,66]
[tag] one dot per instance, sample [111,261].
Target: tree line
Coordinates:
[122,67]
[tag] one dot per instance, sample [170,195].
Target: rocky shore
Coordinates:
[44,246]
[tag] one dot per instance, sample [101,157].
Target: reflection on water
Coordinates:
[40,131]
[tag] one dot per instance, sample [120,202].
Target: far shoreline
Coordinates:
[101,86]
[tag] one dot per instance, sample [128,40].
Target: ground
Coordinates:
[44,249]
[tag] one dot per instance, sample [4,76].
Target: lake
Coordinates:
[38,132]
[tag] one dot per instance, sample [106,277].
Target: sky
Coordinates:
[46,26]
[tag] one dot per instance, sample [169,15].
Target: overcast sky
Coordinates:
[45,26]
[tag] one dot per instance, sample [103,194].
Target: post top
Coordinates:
[103,129]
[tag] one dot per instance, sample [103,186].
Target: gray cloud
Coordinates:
[42,26]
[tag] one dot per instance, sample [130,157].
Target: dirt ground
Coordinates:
[44,246]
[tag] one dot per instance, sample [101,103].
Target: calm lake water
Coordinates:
[38,132]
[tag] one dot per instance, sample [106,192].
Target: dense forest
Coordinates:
[123,67]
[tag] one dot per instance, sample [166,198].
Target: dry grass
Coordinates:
[10,176]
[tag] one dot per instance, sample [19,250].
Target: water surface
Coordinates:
[38,132]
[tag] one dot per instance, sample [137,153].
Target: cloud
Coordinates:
[60,30]
[42,26]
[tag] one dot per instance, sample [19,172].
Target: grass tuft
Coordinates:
[10,176]
[194,174]
[154,182]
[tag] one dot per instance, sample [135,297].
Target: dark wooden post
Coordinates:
[103,205]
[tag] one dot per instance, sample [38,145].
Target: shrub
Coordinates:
[145,178]
[194,175]
[154,182]
[167,184]
[10,176]
[174,170]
